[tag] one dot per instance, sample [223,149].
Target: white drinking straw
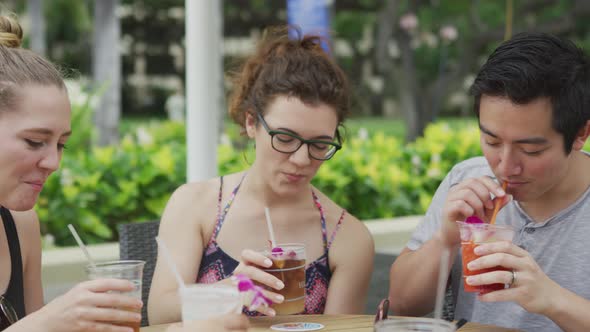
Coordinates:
[170,262]
[442,282]
[81,245]
[270,230]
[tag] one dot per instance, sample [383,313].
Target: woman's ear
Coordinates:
[250,124]
[581,137]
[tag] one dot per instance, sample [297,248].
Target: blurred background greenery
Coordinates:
[410,63]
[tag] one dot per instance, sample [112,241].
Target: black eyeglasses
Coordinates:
[7,314]
[286,142]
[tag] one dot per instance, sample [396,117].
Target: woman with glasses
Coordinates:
[290,98]
[34,127]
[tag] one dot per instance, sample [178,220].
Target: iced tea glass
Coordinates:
[131,270]
[289,267]
[414,324]
[204,301]
[474,234]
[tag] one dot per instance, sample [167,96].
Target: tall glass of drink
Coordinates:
[288,265]
[474,234]
[204,301]
[131,270]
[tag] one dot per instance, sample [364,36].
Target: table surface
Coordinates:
[360,323]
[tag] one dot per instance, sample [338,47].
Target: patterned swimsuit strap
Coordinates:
[222,213]
[327,243]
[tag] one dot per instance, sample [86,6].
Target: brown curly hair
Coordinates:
[19,67]
[286,66]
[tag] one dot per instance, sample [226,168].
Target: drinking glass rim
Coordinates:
[296,245]
[116,264]
[405,321]
[487,225]
[224,289]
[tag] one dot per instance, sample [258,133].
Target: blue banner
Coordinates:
[312,17]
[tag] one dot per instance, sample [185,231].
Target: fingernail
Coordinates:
[280,285]
[469,280]
[267,262]
[271,313]
[501,192]
[279,298]
[470,266]
[139,304]
[137,317]
[478,250]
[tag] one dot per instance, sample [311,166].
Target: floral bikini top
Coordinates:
[217,265]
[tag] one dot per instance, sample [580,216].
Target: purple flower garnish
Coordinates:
[473,220]
[255,297]
[277,251]
[244,283]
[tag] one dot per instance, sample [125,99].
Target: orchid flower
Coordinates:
[253,296]
[473,220]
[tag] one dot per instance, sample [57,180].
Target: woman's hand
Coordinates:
[250,264]
[225,323]
[530,287]
[88,307]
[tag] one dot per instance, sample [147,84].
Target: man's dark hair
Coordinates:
[537,65]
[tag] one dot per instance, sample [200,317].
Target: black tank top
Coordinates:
[15,293]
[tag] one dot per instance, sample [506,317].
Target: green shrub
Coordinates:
[373,176]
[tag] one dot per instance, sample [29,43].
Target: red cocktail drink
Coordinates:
[472,235]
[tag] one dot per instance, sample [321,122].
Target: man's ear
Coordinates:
[581,137]
[250,124]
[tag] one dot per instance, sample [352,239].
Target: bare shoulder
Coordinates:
[351,230]
[29,235]
[195,205]
[27,225]
[190,201]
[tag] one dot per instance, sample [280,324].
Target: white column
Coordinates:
[203,67]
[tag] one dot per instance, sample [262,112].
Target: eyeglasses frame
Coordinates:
[301,140]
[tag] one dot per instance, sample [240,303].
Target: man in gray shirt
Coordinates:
[532,99]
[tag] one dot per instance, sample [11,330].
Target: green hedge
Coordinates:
[373,176]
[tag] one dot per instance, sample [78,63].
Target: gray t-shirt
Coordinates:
[559,245]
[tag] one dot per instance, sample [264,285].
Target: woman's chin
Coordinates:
[22,203]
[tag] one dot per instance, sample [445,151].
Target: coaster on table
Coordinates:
[297,326]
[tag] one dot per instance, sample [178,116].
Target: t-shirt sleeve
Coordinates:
[432,219]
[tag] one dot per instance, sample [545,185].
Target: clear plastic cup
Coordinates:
[131,270]
[473,235]
[289,267]
[204,301]
[414,324]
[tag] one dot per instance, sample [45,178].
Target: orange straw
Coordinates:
[497,204]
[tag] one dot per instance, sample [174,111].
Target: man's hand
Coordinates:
[468,198]
[531,288]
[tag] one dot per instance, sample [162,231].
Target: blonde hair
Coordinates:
[20,67]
